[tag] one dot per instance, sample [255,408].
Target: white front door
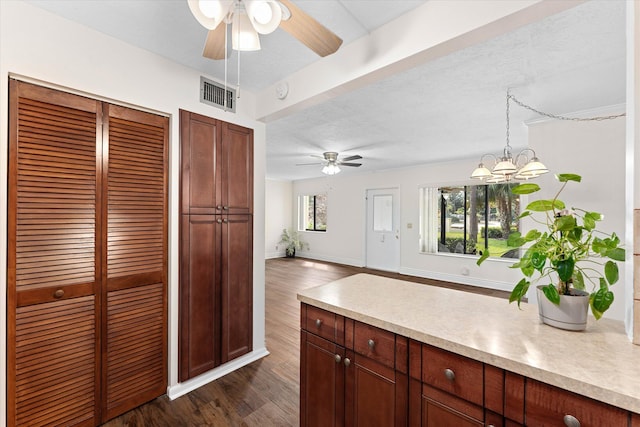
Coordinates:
[383,230]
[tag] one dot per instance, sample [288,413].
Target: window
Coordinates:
[469,219]
[313,212]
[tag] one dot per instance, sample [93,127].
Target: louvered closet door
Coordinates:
[134,316]
[53,297]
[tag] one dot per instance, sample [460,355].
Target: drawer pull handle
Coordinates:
[58,294]
[371,344]
[347,362]
[449,374]
[571,421]
[318,323]
[338,358]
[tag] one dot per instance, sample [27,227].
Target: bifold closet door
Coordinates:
[134,348]
[87,251]
[53,265]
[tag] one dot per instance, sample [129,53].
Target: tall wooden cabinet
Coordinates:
[87,258]
[216,243]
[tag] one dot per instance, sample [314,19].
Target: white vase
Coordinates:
[571,314]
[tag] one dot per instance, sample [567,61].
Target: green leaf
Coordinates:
[564,268]
[600,302]
[519,291]
[578,280]
[545,205]
[565,223]
[611,272]
[524,214]
[525,188]
[590,219]
[515,240]
[527,270]
[616,254]
[564,177]
[532,235]
[599,246]
[485,255]
[551,293]
[575,235]
[538,260]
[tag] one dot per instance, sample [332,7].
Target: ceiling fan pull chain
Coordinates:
[226,60]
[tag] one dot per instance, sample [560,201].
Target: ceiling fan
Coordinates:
[250,17]
[332,163]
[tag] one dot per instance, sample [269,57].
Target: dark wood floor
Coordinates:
[266,392]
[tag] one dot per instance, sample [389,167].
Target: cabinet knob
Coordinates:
[347,362]
[225,220]
[571,421]
[219,207]
[338,358]
[318,323]
[219,221]
[58,294]
[225,208]
[449,374]
[371,343]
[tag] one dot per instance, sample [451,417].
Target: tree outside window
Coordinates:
[473,218]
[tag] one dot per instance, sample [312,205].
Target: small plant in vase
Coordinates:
[292,242]
[570,253]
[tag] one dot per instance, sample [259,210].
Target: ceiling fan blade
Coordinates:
[350,164]
[214,46]
[310,32]
[348,159]
[308,164]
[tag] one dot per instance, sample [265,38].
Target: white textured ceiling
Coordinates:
[449,108]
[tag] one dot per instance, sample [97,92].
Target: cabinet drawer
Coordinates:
[375,343]
[548,405]
[323,323]
[455,374]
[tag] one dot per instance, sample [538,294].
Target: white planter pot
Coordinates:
[571,314]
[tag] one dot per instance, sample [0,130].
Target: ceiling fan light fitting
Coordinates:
[330,169]
[243,36]
[264,15]
[210,13]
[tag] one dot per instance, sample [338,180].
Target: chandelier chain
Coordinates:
[557,117]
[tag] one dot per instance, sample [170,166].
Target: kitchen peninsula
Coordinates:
[440,354]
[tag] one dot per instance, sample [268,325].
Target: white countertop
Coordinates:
[600,362]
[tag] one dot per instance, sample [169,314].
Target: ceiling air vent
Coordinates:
[213,93]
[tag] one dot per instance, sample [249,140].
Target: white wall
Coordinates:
[278,215]
[563,146]
[48,48]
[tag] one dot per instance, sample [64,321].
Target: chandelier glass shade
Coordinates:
[507,168]
[247,19]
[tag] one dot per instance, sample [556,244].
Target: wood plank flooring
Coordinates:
[266,392]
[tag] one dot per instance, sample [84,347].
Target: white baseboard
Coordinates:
[329,258]
[457,278]
[181,389]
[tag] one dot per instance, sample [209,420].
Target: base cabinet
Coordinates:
[344,384]
[354,374]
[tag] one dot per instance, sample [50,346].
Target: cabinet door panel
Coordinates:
[237,169]
[199,298]
[237,286]
[322,382]
[200,140]
[438,415]
[376,394]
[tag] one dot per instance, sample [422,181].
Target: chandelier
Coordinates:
[247,19]
[508,168]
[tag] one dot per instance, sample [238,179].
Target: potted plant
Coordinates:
[571,254]
[292,241]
